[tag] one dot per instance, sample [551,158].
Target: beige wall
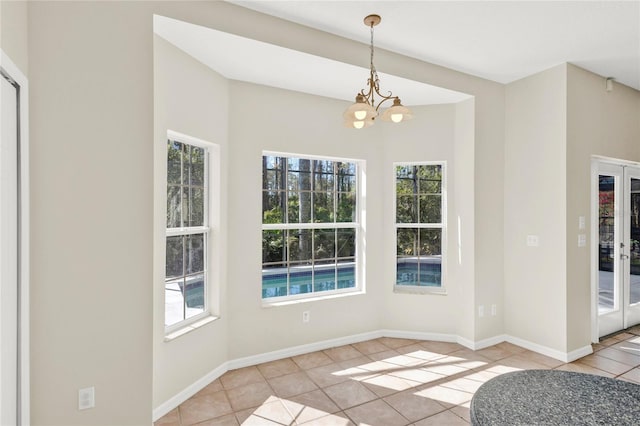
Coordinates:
[488,206]
[13,32]
[535,193]
[285,121]
[280,122]
[92,138]
[437,134]
[598,123]
[91,211]
[191,99]
[463,223]
[555,122]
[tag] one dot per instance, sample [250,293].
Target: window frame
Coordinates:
[359,287]
[209,229]
[403,288]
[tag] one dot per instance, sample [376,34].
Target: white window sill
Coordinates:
[266,304]
[189,328]
[419,290]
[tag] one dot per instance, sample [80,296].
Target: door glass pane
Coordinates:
[634,242]
[606,249]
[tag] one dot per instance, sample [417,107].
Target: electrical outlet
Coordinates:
[306,316]
[533,241]
[86,398]
[481,311]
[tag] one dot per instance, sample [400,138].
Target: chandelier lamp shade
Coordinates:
[366,108]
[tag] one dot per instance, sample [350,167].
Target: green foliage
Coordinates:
[297,190]
[419,200]
[419,194]
[273,246]
[272,216]
[185,185]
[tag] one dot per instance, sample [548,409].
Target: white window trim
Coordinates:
[359,226]
[442,290]
[210,229]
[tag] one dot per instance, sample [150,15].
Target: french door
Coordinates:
[618,256]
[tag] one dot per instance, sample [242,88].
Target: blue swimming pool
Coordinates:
[307,279]
[423,272]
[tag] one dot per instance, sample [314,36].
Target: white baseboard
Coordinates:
[481,344]
[418,335]
[195,387]
[553,353]
[302,349]
[578,353]
[189,391]
[199,384]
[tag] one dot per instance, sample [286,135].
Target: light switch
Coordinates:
[582,240]
[581,222]
[533,241]
[86,398]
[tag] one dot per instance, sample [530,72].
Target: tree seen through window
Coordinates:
[309,225]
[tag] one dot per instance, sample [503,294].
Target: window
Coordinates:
[188,232]
[310,226]
[420,225]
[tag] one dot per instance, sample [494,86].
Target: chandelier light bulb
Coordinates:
[358,124]
[396,118]
[397,112]
[360,115]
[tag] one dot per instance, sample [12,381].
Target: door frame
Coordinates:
[8,68]
[596,161]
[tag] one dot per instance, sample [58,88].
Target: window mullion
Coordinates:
[172,232]
[419,225]
[285,188]
[313,259]
[184,277]
[321,225]
[206,190]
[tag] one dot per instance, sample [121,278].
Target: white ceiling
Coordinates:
[502,41]
[244,59]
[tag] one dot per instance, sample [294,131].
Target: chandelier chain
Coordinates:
[374,82]
[373,68]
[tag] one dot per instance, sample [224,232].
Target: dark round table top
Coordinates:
[554,397]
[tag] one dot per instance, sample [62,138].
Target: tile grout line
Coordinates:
[444,352]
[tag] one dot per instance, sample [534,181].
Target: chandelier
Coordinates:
[365,110]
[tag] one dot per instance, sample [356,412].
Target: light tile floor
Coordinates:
[383,382]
